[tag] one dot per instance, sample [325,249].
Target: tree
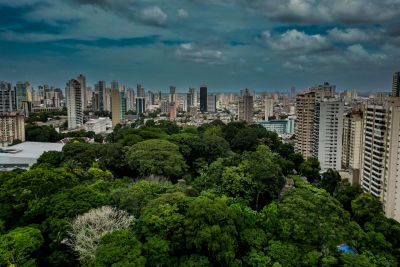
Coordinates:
[266,174]
[310,168]
[51,159]
[119,249]
[365,207]
[156,157]
[17,246]
[329,181]
[44,133]
[210,230]
[88,229]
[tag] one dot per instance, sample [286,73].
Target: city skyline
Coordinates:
[261,45]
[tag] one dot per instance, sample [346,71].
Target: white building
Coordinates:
[212,103]
[99,125]
[327,133]
[75,103]
[24,155]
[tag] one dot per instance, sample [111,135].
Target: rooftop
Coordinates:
[29,150]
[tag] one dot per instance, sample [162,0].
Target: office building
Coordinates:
[203,98]
[193,97]
[212,103]
[246,106]
[22,93]
[140,91]
[396,84]
[12,128]
[7,98]
[328,133]
[100,90]
[352,144]
[172,94]
[75,103]
[269,108]
[118,106]
[140,105]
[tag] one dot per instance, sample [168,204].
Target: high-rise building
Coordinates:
[327,133]
[7,98]
[246,106]
[151,98]
[82,79]
[212,103]
[22,93]
[203,98]
[100,89]
[193,95]
[352,144]
[12,128]
[130,99]
[140,91]
[172,110]
[396,84]
[75,102]
[165,106]
[140,104]
[269,108]
[305,112]
[114,85]
[118,106]
[380,173]
[172,94]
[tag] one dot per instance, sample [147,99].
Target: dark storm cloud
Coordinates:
[261,44]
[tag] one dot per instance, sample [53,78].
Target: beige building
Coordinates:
[352,145]
[305,115]
[380,173]
[12,127]
[246,107]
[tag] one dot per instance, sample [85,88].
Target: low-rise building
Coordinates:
[24,155]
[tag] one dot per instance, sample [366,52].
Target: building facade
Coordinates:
[352,144]
[203,98]
[246,107]
[328,133]
[75,103]
[12,128]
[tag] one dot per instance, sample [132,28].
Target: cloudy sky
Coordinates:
[227,44]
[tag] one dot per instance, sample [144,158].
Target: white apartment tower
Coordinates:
[75,103]
[327,133]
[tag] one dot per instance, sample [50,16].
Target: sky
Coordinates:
[263,45]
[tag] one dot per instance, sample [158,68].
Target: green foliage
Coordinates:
[17,246]
[206,196]
[310,168]
[156,157]
[44,133]
[119,248]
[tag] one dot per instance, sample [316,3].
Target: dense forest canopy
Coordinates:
[161,195]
